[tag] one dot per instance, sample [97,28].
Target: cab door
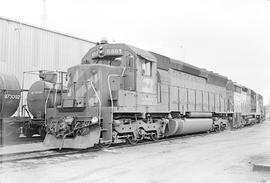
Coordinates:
[129,73]
[146,83]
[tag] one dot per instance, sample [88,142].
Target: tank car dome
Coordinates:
[9,95]
[36,98]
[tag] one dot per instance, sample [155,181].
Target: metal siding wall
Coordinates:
[56,54]
[3,42]
[34,48]
[26,48]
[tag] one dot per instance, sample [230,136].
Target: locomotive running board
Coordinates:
[79,142]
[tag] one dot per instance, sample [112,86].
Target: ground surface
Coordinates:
[222,157]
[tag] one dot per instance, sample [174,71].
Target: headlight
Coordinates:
[94,120]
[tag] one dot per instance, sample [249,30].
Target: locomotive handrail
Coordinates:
[110,91]
[99,101]
[45,109]
[109,85]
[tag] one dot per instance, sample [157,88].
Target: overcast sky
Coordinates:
[230,37]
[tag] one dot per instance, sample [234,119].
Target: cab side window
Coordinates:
[130,61]
[146,68]
[237,89]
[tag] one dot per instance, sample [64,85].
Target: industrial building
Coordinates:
[267,112]
[25,47]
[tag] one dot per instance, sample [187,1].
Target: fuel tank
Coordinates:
[39,92]
[188,126]
[199,115]
[9,95]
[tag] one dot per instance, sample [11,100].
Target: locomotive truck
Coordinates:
[123,93]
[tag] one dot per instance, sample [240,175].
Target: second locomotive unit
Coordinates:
[123,93]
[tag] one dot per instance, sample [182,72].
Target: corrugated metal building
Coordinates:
[267,112]
[24,47]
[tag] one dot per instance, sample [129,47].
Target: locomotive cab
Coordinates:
[137,80]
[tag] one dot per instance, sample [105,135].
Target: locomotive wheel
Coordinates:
[131,140]
[216,128]
[153,137]
[222,127]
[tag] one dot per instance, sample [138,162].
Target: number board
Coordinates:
[113,51]
[107,52]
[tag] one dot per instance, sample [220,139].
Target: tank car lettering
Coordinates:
[12,97]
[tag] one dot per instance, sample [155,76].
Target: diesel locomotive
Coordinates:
[123,93]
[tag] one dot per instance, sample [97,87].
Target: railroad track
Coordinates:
[20,156]
[41,154]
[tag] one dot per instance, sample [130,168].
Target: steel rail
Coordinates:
[65,152]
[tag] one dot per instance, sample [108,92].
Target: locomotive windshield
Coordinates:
[109,60]
[82,86]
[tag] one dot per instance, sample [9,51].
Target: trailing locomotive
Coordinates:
[123,93]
